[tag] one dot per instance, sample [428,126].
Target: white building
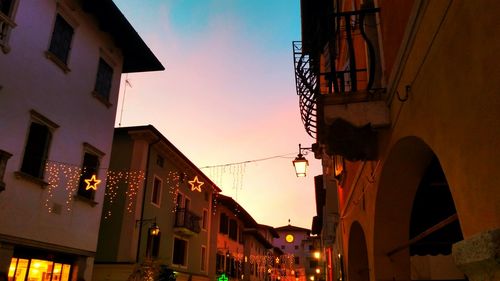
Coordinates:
[60,68]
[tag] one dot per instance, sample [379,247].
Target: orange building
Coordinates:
[243,248]
[400,100]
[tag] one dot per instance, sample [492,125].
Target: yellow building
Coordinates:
[402,101]
[159,216]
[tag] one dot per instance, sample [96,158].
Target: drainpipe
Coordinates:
[144,199]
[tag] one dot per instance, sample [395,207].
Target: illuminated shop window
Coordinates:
[37,270]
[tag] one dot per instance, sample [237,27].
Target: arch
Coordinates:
[358,255]
[399,180]
[412,197]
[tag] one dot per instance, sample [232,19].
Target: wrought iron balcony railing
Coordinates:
[343,78]
[187,220]
[306,86]
[347,76]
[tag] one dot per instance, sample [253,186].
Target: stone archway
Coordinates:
[399,180]
[358,255]
[406,210]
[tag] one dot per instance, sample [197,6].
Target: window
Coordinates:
[313,263]
[103,81]
[180,250]
[5,6]
[240,236]
[160,161]
[156,192]
[179,203]
[90,170]
[203,258]
[35,153]
[296,247]
[61,41]
[37,145]
[233,230]
[296,260]
[219,263]
[6,23]
[38,270]
[223,224]
[4,156]
[204,222]
[282,247]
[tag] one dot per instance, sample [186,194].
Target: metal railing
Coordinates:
[341,82]
[187,219]
[306,84]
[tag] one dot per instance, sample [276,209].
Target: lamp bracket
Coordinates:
[303,150]
[145,220]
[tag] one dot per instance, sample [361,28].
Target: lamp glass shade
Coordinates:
[154,230]
[300,163]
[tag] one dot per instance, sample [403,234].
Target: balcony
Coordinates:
[186,223]
[341,101]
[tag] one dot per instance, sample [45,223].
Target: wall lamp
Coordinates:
[300,163]
[153,229]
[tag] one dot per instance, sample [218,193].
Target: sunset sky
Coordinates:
[227,96]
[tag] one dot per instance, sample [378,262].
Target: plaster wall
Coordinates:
[452,107]
[66,99]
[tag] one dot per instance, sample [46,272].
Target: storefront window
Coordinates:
[18,269]
[38,270]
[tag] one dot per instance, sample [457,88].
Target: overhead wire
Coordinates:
[250,161]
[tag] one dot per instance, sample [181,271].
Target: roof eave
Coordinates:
[137,57]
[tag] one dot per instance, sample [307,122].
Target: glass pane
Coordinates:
[12,269]
[65,272]
[56,273]
[40,270]
[20,270]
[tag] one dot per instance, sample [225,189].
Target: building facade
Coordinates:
[157,211]
[258,246]
[293,241]
[60,69]
[399,99]
[229,224]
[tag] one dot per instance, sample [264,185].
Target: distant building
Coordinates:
[258,250]
[291,241]
[159,216]
[244,248]
[60,69]
[230,221]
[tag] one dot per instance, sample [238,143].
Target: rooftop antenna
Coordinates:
[127,83]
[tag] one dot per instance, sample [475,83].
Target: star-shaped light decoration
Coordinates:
[92,183]
[196,184]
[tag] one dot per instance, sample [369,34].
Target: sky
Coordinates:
[227,96]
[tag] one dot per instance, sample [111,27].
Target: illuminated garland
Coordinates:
[228,175]
[133,179]
[174,180]
[65,175]
[62,174]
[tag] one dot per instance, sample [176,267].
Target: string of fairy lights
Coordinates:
[69,176]
[265,262]
[233,174]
